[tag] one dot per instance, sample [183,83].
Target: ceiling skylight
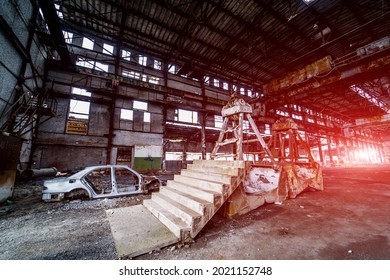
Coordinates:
[307,2]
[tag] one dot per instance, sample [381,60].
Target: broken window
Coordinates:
[131,74]
[267,129]
[79,109]
[193,156]
[282,113]
[80,91]
[124,156]
[146,117]
[154,80]
[68,36]
[126,55]
[186,116]
[101,67]
[218,120]
[172,68]
[87,63]
[157,64]
[108,49]
[142,60]
[78,116]
[297,117]
[140,105]
[216,83]
[87,43]
[126,114]
[173,155]
[242,91]
[58,10]
[225,86]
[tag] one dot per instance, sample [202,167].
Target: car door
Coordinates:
[100,181]
[126,180]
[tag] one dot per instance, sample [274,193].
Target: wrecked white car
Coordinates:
[99,182]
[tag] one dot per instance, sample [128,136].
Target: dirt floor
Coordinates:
[349,220]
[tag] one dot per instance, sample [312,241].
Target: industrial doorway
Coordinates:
[125,156]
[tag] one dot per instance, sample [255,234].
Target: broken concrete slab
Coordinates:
[136,231]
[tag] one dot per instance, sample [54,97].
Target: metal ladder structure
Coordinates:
[234,113]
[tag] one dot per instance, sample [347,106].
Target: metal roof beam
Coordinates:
[51,18]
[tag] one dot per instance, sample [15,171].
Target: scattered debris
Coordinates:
[284,231]
[5,210]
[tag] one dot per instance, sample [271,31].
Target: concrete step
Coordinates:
[172,222]
[207,195]
[188,202]
[221,163]
[188,215]
[213,177]
[200,183]
[192,202]
[232,171]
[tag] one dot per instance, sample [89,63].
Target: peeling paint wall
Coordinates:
[18,44]
[147,157]
[9,151]
[11,60]
[56,148]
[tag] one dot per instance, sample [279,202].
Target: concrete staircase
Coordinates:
[191,199]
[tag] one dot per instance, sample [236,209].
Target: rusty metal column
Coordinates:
[329,142]
[337,150]
[203,134]
[240,154]
[203,117]
[320,151]
[164,111]
[164,142]
[347,152]
[184,159]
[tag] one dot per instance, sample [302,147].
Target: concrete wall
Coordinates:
[15,36]
[11,59]
[57,148]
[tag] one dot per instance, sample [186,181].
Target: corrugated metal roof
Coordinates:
[249,42]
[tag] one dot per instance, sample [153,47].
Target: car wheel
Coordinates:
[77,194]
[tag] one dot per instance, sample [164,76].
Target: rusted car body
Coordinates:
[99,182]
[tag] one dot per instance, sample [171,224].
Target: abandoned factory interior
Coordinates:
[188,129]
